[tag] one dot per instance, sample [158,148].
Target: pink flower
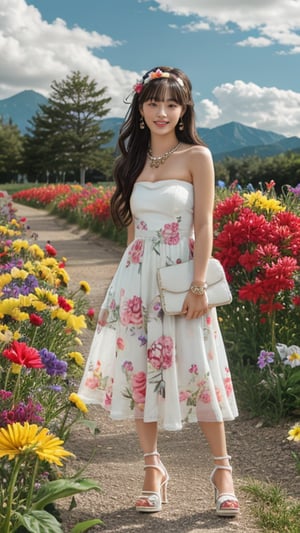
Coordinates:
[136,251]
[228,386]
[91,312]
[127,366]
[120,343]
[138,87]
[108,399]
[193,369]
[170,233]
[205,397]
[139,387]
[131,311]
[160,353]
[92,383]
[184,395]
[218,394]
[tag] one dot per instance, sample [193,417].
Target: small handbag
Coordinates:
[174,283]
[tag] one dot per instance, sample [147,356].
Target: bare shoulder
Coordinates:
[198,151]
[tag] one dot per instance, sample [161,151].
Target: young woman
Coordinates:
[143,364]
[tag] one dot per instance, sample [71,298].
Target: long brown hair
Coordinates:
[133,142]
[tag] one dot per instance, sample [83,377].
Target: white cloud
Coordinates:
[267,108]
[276,20]
[33,53]
[258,42]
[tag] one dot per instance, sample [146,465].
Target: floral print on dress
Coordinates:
[160,357]
[135,252]
[168,234]
[136,389]
[144,364]
[131,311]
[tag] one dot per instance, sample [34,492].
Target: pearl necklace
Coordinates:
[155,162]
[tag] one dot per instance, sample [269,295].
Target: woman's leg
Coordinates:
[147,434]
[216,438]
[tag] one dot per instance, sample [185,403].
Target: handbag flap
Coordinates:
[178,278]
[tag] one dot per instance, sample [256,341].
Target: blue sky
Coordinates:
[243,58]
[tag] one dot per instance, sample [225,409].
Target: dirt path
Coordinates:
[259,453]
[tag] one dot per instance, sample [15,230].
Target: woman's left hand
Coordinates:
[194,306]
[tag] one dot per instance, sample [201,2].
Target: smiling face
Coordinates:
[162,116]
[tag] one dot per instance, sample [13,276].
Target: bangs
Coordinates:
[157,89]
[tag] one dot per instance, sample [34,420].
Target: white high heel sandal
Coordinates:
[150,501]
[226,502]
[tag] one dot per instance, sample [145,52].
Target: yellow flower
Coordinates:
[49,262]
[78,341]
[46,296]
[84,286]
[74,398]
[260,201]
[61,273]
[76,322]
[8,305]
[20,316]
[17,439]
[6,336]
[78,357]
[36,251]
[15,368]
[60,313]
[19,245]
[4,280]
[294,433]
[18,273]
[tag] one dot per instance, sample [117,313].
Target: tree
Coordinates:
[11,146]
[65,134]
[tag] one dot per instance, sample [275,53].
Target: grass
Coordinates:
[275,511]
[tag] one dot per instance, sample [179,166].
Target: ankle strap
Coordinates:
[151,453]
[222,458]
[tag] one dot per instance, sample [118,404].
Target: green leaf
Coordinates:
[62,488]
[91,425]
[84,526]
[39,522]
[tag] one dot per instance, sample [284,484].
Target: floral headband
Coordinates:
[155,75]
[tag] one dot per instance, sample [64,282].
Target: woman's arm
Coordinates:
[130,233]
[202,171]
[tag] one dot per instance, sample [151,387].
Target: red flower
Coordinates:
[62,302]
[24,355]
[50,250]
[35,320]
[296,300]
[91,312]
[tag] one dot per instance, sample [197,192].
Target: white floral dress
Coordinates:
[142,363]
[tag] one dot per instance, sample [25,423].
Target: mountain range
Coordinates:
[232,139]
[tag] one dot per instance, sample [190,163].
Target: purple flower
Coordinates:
[143,340]
[265,358]
[55,388]
[22,412]
[295,190]
[5,394]
[53,366]
[11,290]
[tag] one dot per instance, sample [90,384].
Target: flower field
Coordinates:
[257,239]
[40,329]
